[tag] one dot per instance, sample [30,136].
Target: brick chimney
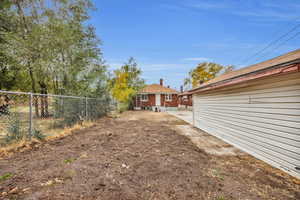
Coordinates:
[161,82]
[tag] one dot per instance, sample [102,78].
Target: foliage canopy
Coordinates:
[204,72]
[126,81]
[46,46]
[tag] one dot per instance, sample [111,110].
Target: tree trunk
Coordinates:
[33,88]
[44,100]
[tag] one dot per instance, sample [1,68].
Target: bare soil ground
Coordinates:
[138,156]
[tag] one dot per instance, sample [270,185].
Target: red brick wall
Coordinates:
[173,103]
[186,102]
[151,101]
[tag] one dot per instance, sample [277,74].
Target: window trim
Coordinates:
[144,99]
[168,97]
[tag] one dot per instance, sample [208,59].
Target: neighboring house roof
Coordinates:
[288,60]
[156,88]
[185,93]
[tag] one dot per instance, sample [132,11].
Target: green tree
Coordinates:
[204,72]
[125,82]
[50,49]
[9,71]
[4,22]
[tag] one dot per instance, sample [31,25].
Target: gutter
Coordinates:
[156,93]
[185,93]
[287,67]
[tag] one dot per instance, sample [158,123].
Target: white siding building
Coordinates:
[256,109]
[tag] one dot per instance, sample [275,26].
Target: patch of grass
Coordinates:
[5,176]
[216,174]
[220,198]
[69,160]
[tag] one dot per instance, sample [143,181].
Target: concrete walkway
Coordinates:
[201,139]
[184,115]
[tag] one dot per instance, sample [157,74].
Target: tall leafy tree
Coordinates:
[125,82]
[204,72]
[51,49]
[5,23]
[9,70]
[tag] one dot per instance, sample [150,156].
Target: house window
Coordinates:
[168,97]
[144,97]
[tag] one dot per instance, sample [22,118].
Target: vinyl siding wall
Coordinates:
[261,118]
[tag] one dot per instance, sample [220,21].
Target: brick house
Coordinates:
[156,97]
[185,100]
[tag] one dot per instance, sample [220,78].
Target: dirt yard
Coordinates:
[140,155]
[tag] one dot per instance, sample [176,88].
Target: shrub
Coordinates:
[14,128]
[122,107]
[69,110]
[38,134]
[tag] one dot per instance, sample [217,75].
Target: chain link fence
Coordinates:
[24,116]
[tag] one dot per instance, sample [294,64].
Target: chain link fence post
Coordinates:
[30,116]
[22,115]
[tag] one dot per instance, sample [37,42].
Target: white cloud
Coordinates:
[158,67]
[287,5]
[208,5]
[199,59]
[262,11]
[270,14]
[153,67]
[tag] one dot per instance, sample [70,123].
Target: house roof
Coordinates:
[157,88]
[185,93]
[283,60]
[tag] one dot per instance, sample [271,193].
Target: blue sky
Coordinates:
[169,37]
